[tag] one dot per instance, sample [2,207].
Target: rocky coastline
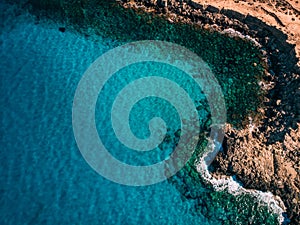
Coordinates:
[263,154]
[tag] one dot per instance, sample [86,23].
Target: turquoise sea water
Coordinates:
[44,179]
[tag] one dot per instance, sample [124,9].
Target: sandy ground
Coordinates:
[284,15]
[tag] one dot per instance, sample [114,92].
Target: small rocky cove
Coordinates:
[258,72]
[264,154]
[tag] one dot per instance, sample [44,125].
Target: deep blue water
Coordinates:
[43,177]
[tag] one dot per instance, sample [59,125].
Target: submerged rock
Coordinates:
[62,29]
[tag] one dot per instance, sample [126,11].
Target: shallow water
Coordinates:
[44,178]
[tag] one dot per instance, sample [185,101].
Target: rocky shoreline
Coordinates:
[264,155]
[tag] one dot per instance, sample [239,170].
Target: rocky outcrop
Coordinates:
[262,166]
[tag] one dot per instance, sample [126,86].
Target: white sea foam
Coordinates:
[233,33]
[235,188]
